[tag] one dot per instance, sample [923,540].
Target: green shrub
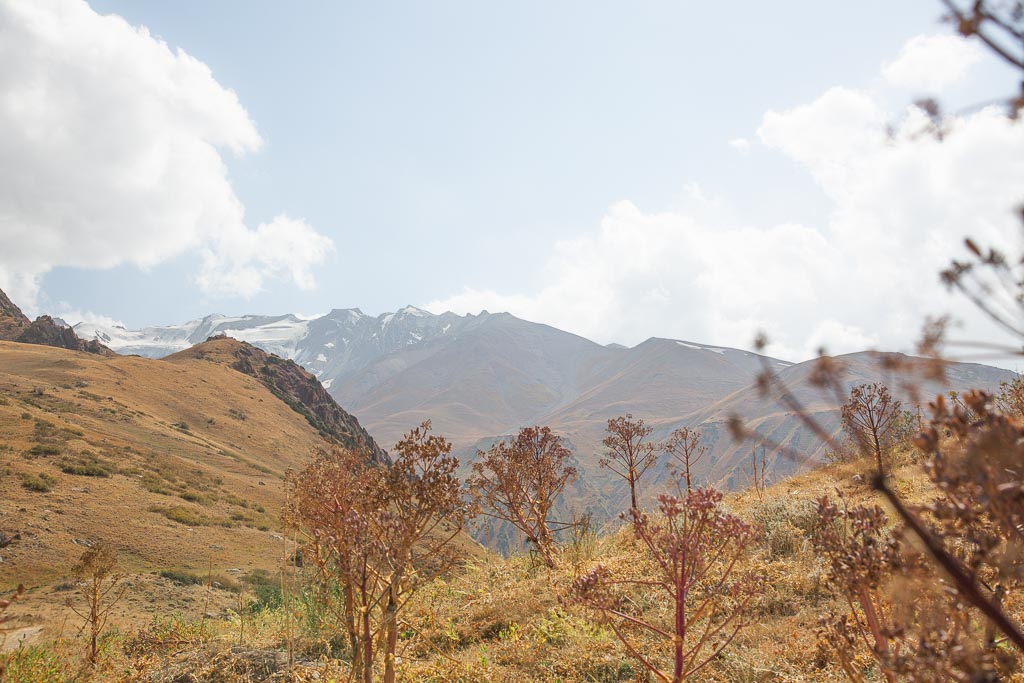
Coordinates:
[40,483]
[194,497]
[35,664]
[182,578]
[182,515]
[268,597]
[87,465]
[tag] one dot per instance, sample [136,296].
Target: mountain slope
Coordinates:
[178,463]
[295,387]
[913,384]
[496,373]
[480,377]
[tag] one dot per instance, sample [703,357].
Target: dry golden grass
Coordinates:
[186,440]
[501,619]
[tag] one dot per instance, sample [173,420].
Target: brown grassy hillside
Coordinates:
[178,464]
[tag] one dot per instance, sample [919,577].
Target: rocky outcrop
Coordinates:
[12,320]
[296,387]
[45,331]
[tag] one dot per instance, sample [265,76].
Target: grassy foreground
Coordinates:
[495,619]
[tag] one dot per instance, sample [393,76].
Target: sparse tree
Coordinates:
[519,480]
[102,589]
[685,451]
[869,418]
[329,500]
[694,546]
[425,511]
[378,534]
[628,452]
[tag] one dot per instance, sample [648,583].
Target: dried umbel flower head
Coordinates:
[693,546]
[519,480]
[629,453]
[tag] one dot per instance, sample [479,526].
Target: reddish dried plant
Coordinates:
[377,533]
[861,557]
[1010,399]
[685,451]
[629,453]
[869,417]
[933,637]
[519,480]
[694,547]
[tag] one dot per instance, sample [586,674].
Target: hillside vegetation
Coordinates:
[498,619]
[178,464]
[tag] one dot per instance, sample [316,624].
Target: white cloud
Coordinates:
[742,144]
[931,63]
[902,202]
[110,154]
[238,259]
[73,316]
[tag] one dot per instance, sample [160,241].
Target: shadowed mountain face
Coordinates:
[480,377]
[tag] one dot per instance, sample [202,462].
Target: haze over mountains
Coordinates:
[478,377]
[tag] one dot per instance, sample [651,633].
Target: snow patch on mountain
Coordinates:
[712,349]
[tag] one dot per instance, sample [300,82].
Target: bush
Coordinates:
[181,515]
[787,525]
[40,483]
[181,578]
[35,664]
[195,497]
[87,465]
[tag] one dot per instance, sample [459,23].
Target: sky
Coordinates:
[701,171]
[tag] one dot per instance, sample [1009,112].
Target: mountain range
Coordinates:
[479,377]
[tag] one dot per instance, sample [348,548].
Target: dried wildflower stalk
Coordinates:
[628,452]
[869,417]
[519,480]
[694,547]
[685,451]
[379,533]
[102,589]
